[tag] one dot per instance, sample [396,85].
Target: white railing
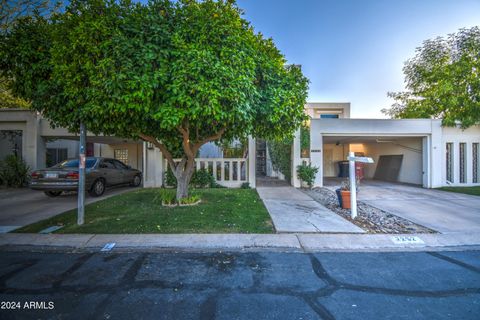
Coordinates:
[228,172]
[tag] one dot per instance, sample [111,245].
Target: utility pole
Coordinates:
[81,176]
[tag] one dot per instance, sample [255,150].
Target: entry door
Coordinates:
[328,165]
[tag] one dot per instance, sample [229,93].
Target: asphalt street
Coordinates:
[240,285]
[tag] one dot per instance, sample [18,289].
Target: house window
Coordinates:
[449,161]
[463,159]
[328,116]
[475,162]
[122,155]
[56,155]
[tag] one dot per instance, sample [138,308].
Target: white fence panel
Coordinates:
[228,172]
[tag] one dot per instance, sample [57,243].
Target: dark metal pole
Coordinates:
[81,176]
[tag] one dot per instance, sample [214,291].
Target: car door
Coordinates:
[109,172]
[123,171]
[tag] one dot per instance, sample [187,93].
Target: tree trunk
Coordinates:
[184,173]
[182,188]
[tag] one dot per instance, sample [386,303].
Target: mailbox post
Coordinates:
[353,181]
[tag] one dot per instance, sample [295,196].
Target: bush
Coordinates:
[200,179]
[307,173]
[203,179]
[190,200]
[281,156]
[14,172]
[245,185]
[170,179]
[165,196]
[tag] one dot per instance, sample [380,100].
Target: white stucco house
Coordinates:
[413,151]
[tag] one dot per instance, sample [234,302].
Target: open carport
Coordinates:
[396,158]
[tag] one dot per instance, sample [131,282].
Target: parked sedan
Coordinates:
[100,173]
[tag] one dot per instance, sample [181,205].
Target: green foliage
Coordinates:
[203,179]
[180,73]
[442,81]
[170,179]
[307,173]
[281,156]
[14,172]
[245,185]
[305,141]
[200,179]
[190,199]
[221,211]
[127,68]
[165,196]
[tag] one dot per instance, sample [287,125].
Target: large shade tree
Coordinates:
[178,74]
[443,81]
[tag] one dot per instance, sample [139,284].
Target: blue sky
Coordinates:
[354,50]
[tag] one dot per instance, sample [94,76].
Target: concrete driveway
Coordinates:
[442,211]
[20,207]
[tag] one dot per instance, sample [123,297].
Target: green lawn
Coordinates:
[221,211]
[467,190]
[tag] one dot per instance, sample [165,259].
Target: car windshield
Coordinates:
[89,163]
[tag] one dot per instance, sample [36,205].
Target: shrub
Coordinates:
[14,172]
[200,179]
[245,185]
[307,173]
[281,156]
[203,179]
[170,179]
[165,196]
[190,200]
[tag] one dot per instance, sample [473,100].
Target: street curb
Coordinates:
[259,242]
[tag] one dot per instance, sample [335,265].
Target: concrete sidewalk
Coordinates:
[261,242]
[294,211]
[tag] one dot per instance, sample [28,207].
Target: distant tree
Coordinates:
[178,74]
[442,81]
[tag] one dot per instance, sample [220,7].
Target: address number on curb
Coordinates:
[407,240]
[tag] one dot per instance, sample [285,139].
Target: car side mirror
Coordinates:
[129,167]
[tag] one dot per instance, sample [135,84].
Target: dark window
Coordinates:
[119,165]
[329,116]
[463,162]
[449,161]
[107,164]
[475,160]
[89,163]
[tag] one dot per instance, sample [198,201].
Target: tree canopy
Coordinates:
[178,74]
[443,81]
[10,12]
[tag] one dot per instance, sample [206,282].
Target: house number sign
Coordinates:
[407,240]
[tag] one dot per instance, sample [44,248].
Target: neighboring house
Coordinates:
[415,151]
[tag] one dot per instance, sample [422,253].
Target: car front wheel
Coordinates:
[53,193]
[136,181]
[98,188]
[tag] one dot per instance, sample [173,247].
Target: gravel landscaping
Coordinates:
[369,218]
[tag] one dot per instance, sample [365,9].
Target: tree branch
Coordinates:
[185,131]
[162,148]
[214,137]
